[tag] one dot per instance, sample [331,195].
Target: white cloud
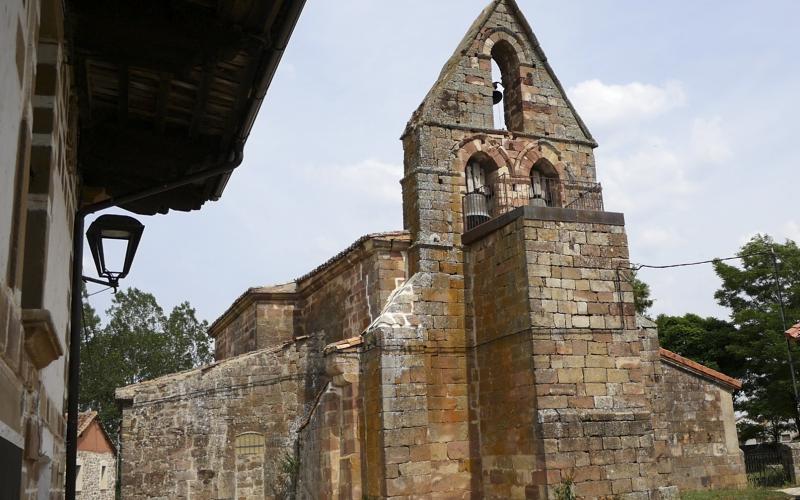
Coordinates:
[648,173]
[370,179]
[611,104]
[658,237]
[709,141]
[791,230]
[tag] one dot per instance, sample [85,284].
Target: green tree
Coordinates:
[750,290]
[139,343]
[705,340]
[641,294]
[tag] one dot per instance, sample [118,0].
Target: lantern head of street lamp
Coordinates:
[113,227]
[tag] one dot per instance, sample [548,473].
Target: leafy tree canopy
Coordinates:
[705,340]
[752,293]
[751,346]
[138,343]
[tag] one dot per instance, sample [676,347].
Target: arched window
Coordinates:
[505,63]
[478,200]
[498,98]
[545,187]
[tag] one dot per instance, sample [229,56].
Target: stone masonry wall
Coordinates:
[344,300]
[275,323]
[341,301]
[238,336]
[276,392]
[91,486]
[220,431]
[502,393]
[701,431]
[590,365]
[330,441]
[341,298]
[549,277]
[37,202]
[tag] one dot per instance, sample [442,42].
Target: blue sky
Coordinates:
[692,103]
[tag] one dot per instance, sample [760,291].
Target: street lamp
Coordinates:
[113,227]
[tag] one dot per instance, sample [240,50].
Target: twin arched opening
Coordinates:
[491,191]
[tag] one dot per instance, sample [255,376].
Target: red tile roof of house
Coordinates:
[700,369]
[793,333]
[84,419]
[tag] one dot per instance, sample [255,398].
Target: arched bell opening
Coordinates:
[479,199]
[545,185]
[506,83]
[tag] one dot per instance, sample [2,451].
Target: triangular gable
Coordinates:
[543,58]
[90,429]
[459,72]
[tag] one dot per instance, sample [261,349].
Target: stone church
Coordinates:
[489,350]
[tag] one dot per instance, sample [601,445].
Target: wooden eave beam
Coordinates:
[246,86]
[162,104]
[122,101]
[200,104]
[269,25]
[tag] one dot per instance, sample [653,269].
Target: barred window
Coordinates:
[249,443]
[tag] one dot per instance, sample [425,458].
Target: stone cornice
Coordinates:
[544,213]
[512,134]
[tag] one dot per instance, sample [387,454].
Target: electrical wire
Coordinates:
[636,267]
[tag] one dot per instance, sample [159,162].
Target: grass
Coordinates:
[746,494]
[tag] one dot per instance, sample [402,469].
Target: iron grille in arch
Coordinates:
[249,443]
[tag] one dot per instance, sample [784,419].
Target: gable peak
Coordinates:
[534,99]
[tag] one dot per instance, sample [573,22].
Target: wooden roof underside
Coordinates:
[168,88]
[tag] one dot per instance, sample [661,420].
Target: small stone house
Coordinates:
[97,460]
[489,350]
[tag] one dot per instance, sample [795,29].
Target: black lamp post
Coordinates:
[113,227]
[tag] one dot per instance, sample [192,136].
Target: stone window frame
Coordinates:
[103,477]
[16,243]
[250,443]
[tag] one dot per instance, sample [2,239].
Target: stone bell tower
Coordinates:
[536,372]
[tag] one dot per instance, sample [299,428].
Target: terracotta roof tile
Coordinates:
[793,333]
[84,419]
[343,344]
[700,369]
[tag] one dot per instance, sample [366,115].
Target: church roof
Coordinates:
[287,291]
[698,369]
